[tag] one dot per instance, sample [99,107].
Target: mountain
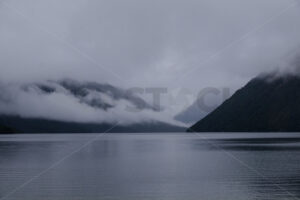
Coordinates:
[69,106]
[268,103]
[192,114]
[97,95]
[5,129]
[39,125]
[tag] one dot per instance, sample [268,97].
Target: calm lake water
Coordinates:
[150,166]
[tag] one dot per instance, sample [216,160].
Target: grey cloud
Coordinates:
[77,102]
[147,43]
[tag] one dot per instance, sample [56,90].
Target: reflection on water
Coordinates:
[152,166]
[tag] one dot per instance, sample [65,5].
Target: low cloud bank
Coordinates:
[53,100]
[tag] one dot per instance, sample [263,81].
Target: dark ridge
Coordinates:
[38,125]
[4,128]
[45,88]
[265,104]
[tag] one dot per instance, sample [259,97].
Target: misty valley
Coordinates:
[149,100]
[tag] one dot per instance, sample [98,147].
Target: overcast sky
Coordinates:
[148,43]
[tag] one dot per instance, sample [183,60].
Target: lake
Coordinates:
[183,166]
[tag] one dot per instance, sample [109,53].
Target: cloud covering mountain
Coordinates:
[73,101]
[172,44]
